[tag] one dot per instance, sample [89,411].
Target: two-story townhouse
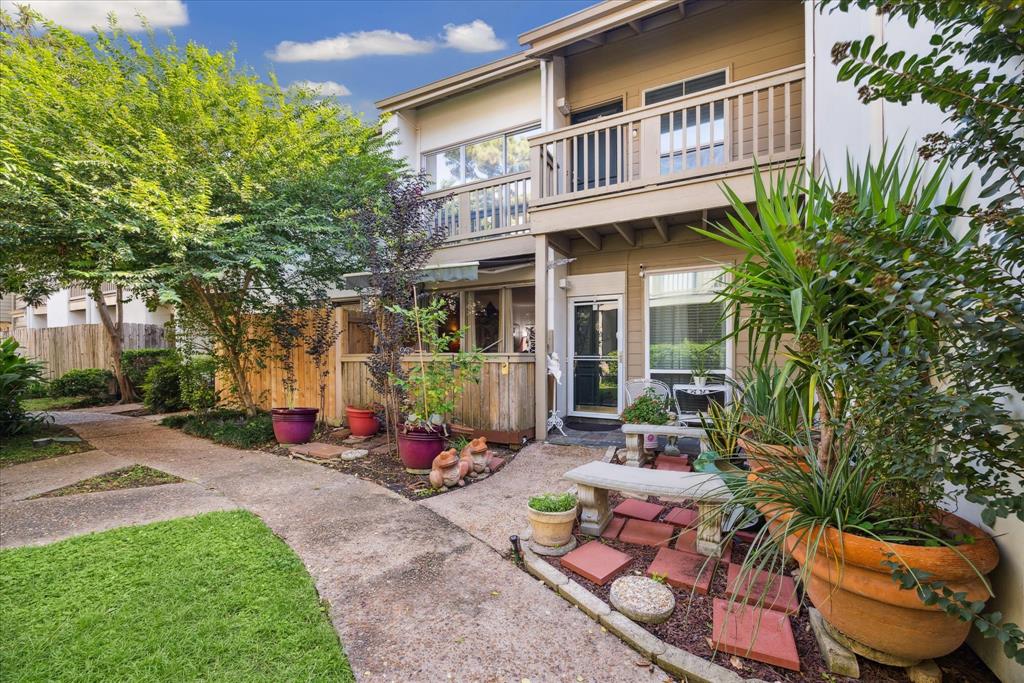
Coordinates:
[75,306]
[577,169]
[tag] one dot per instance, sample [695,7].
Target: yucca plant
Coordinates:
[777,402]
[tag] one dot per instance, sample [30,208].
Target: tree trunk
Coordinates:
[240,381]
[113,330]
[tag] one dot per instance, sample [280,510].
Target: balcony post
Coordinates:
[650,139]
[540,301]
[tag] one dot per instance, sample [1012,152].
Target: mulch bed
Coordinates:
[136,476]
[383,466]
[690,626]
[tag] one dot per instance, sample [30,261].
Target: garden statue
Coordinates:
[445,470]
[476,453]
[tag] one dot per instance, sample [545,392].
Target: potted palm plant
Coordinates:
[775,410]
[881,556]
[432,387]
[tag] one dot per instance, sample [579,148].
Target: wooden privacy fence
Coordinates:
[82,346]
[501,404]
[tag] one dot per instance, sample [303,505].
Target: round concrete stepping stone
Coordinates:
[642,599]
[554,551]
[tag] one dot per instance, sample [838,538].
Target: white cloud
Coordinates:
[476,36]
[82,15]
[325,88]
[350,46]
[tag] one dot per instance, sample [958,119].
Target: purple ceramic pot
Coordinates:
[417,447]
[293,425]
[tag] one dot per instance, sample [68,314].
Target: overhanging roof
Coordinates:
[442,272]
[459,83]
[589,22]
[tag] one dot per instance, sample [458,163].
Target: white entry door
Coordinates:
[595,367]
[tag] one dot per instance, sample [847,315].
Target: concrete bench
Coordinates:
[595,479]
[635,438]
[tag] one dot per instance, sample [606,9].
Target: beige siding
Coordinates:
[691,251]
[748,38]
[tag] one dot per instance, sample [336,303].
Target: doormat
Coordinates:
[587,426]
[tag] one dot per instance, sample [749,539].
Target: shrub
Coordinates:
[553,502]
[37,388]
[137,362]
[163,387]
[17,375]
[90,383]
[647,409]
[229,427]
[198,388]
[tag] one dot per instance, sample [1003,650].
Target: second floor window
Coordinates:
[479,160]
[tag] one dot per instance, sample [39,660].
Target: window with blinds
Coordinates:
[683,320]
[687,87]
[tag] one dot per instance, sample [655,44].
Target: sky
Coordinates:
[356,50]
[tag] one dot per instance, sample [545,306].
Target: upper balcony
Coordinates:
[635,164]
[496,207]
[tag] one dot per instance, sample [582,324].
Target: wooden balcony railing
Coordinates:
[486,208]
[713,132]
[81,292]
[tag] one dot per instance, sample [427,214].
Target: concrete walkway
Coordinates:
[414,596]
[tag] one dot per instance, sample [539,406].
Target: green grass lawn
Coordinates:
[17,449]
[132,477]
[45,403]
[216,597]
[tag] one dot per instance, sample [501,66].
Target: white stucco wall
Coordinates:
[58,313]
[843,125]
[493,108]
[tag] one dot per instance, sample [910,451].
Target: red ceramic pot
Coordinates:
[362,422]
[293,425]
[417,447]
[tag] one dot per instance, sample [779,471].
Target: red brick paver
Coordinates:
[596,562]
[611,531]
[760,634]
[687,542]
[684,570]
[638,509]
[646,533]
[682,517]
[672,463]
[764,589]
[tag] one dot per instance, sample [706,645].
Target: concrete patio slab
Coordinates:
[28,479]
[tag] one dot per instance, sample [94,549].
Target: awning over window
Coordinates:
[442,272]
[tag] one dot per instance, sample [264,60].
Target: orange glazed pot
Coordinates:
[761,456]
[862,601]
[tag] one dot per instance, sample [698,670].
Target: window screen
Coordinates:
[683,319]
[687,87]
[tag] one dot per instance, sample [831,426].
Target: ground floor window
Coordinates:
[494,319]
[685,325]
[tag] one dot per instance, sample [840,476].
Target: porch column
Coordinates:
[540,302]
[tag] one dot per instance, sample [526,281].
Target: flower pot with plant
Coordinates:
[432,386]
[292,425]
[908,415]
[775,408]
[552,516]
[648,409]
[699,372]
[362,421]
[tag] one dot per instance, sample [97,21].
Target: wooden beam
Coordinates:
[682,8]
[628,233]
[592,236]
[637,26]
[597,38]
[560,242]
[662,227]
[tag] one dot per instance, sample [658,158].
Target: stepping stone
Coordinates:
[646,533]
[763,589]
[638,509]
[596,562]
[354,453]
[642,599]
[66,439]
[684,570]
[687,542]
[671,463]
[611,532]
[494,463]
[763,635]
[682,517]
[316,449]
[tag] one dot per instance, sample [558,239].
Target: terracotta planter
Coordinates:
[361,422]
[417,447]
[293,425]
[862,601]
[761,456]
[551,529]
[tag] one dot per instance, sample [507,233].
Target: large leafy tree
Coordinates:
[183,176]
[70,150]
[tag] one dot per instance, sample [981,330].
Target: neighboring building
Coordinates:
[7,303]
[74,306]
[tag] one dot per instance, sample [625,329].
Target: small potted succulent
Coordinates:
[552,516]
